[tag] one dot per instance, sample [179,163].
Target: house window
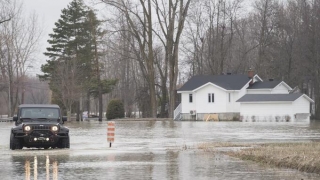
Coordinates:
[211,97]
[190,98]
[229,97]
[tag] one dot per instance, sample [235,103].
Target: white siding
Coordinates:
[186,105]
[220,100]
[266,109]
[301,105]
[280,89]
[235,106]
[259,91]
[231,106]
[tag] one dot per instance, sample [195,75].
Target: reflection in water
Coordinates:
[172,166]
[35,169]
[55,170]
[27,168]
[47,167]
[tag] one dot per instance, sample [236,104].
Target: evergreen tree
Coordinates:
[73,65]
[69,56]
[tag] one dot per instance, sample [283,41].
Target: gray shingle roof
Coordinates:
[269,97]
[264,85]
[228,82]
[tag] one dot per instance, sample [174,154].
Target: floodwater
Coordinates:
[153,150]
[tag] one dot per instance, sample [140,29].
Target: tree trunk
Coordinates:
[78,111]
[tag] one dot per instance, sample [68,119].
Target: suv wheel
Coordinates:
[15,143]
[64,143]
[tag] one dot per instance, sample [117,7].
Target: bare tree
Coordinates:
[277,39]
[36,92]
[65,83]
[141,27]
[6,11]
[265,24]
[171,17]
[18,44]
[214,31]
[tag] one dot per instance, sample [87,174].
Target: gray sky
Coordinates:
[48,12]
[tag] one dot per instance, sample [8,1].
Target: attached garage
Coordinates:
[293,107]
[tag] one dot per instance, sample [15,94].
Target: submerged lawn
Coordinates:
[302,156]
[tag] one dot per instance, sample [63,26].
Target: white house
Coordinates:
[275,107]
[240,97]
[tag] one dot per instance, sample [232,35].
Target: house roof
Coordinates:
[228,82]
[271,97]
[264,85]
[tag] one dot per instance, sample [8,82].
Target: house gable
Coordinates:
[306,97]
[264,85]
[269,87]
[215,105]
[281,88]
[209,83]
[227,82]
[256,78]
[302,104]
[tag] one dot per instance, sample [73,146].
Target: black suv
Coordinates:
[39,126]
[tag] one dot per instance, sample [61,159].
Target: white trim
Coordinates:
[267,102]
[209,83]
[184,91]
[259,89]
[285,84]
[233,90]
[307,97]
[191,97]
[212,98]
[247,84]
[256,76]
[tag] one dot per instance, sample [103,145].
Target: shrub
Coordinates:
[287,118]
[253,118]
[115,109]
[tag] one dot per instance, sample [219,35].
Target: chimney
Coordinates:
[251,74]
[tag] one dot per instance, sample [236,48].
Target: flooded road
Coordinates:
[153,150]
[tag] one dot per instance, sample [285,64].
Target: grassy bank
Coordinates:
[215,146]
[301,156]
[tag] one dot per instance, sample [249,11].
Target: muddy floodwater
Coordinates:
[153,150]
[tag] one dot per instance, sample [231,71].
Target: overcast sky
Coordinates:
[48,12]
